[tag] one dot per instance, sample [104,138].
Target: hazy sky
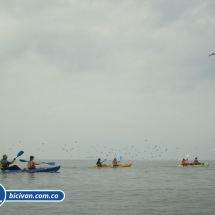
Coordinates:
[79,76]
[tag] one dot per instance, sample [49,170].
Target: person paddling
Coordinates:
[99,163]
[32,164]
[5,164]
[196,162]
[184,162]
[115,162]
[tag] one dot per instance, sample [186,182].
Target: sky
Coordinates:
[88,79]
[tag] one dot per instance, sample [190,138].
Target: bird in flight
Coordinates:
[211,54]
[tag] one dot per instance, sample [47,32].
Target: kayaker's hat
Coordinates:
[31,157]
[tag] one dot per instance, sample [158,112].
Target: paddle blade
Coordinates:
[187,155]
[19,154]
[105,160]
[120,157]
[50,163]
[22,160]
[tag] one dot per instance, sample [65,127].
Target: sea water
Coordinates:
[148,187]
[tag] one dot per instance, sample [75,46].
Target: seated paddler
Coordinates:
[184,162]
[115,162]
[99,163]
[31,164]
[196,162]
[5,164]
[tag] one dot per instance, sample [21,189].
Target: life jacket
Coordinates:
[98,163]
[114,163]
[183,162]
[30,165]
[4,164]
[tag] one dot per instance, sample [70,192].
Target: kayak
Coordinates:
[45,169]
[110,166]
[192,165]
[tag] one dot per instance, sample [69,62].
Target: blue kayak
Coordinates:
[45,169]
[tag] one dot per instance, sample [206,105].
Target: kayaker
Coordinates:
[31,163]
[5,164]
[115,162]
[99,163]
[184,162]
[196,162]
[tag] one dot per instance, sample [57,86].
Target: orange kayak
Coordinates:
[110,166]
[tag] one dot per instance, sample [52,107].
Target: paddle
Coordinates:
[187,158]
[120,159]
[104,160]
[19,154]
[49,163]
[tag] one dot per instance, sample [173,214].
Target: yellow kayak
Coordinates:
[110,166]
[191,165]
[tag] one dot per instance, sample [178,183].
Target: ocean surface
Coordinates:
[148,187]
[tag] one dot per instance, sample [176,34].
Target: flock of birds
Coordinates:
[95,151]
[75,150]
